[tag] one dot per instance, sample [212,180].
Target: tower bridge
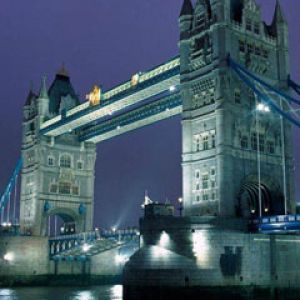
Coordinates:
[231,85]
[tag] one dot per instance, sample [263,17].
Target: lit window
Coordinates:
[65,188]
[65,161]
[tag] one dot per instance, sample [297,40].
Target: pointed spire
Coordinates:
[279,16]
[43,90]
[187,8]
[31,95]
[62,71]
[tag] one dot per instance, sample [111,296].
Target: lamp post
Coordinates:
[180,201]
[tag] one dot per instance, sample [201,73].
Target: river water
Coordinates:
[107,292]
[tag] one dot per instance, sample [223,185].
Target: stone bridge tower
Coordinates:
[58,173]
[222,130]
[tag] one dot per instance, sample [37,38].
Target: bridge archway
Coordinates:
[67,222]
[272,199]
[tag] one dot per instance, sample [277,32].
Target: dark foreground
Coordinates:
[217,293]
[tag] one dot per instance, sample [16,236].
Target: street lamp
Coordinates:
[180,200]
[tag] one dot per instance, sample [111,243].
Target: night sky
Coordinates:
[105,42]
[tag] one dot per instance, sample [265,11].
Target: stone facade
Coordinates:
[58,173]
[221,127]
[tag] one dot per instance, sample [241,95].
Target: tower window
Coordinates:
[50,161]
[213,141]
[254,141]
[256,28]
[198,144]
[205,197]
[271,147]
[205,143]
[248,24]
[197,174]
[65,188]
[244,142]
[65,161]
[261,143]
[242,46]
[80,165]
[75,190]
[53,188]
[237,96]
[205,179]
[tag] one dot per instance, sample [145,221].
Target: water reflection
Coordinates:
[108,292]
[84,295]
[7,294]
[116,292]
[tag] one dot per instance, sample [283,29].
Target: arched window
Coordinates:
[65,161]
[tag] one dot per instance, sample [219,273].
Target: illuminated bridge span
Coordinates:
[156,83]
[87,244]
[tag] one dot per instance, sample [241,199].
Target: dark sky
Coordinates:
[104,42]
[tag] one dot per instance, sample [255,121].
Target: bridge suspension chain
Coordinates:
[255,84]
[5,198]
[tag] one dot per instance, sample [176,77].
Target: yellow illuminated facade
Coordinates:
[94,97]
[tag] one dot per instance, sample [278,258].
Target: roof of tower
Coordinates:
[187,8]
[279,16]
[43,90]
[277,19]
[61,87]
[30,98]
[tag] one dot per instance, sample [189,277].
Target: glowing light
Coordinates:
[180,200]
[114,229]
[263,108]
[118,127]
[159,252]
[121,259]
[94,97]
[172,88]
[85,295]
[266,209]
[252,211]
[4,224]
[164,240]
[201,248]
[116,292]
[86,247]
[135,79]
[8,256]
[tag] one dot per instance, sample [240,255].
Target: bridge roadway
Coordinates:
[82,246]
[155,84]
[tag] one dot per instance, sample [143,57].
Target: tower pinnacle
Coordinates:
[187,8]
[43,90]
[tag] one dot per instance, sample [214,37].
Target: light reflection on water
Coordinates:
[60,293]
